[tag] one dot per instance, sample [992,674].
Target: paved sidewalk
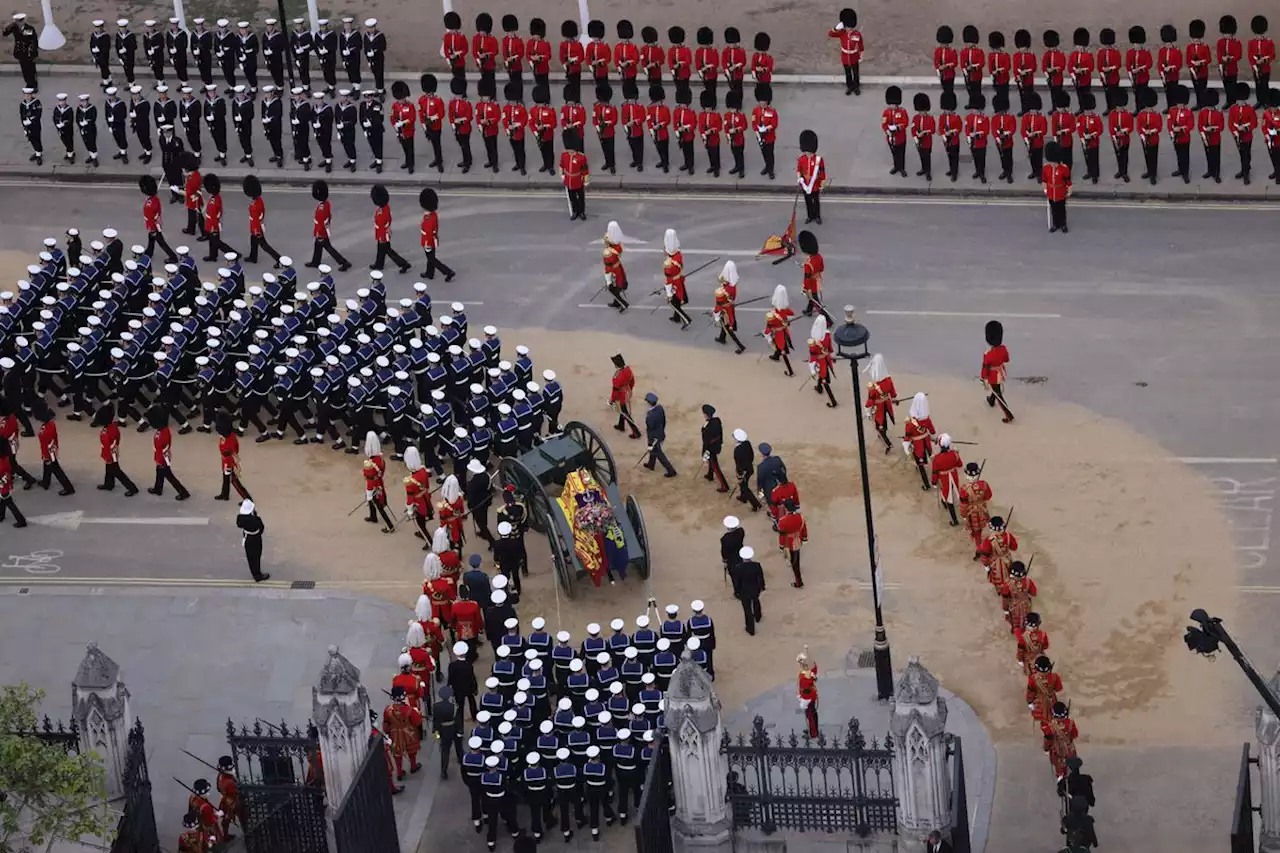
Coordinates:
[849,129]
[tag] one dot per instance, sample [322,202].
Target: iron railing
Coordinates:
[1242,820]
[136,829]
[959,829]
[280,810]
[365,821]
[810,784]
[653,827]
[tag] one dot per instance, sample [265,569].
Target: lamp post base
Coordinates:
[884,665]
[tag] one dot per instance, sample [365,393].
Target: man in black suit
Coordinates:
[461,678]
[748,583]
[712,444]
[744,464]
[655,427]
[731,542]
[447,724]
[937,844]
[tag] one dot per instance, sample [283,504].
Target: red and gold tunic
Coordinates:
[819,362]
[807,683]
[375,488]
[1042,692]
[880,397]
[995,365]
[724,311]
[946,475]
[417,492]
[1060,742]
[919,432]
[996,553]
[776,329]
[412,683]
[229,804]
[1017,594]
[974,498]
[614,272]
[673,277]
[192,841]
[1031,644]
[424,663]
[403,724]
[622,386]
[792,532]
[435,635]
[467,619]
[451,519]
[442,591]
[778,498]
[208,818]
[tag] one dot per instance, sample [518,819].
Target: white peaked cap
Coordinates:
[504,366]
[642,621]
[638,708]
[919,406]
[460,648]
[475,466]
[730,272]
[593,628]
[503,652]
[420,287]
[818,330]
[511,623]
[697,606]
[504,409]
[592,695]
[780,300]
[490,330]
[739,435]
[575,665]
[602,658]
[529,655]
[694,644]
[731,522]
[538,622]
[549,375]
[474,742]
[522,350]
[746,552]
[562,636]
[457,307]
[500,582]
[498,597]
[630,653]
[672,609]
[617,624]
[670,242]
[474,343]
[446,320]
[876,368]
[603,717]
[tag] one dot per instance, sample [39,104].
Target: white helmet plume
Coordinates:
[670,242]
[919,406]
[780,300]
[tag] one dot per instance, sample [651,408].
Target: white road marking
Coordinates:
[73,520]
[1227,460]
[732,253]
[634,307]
[965,314]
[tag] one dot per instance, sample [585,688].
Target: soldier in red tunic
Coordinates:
[622,386]
[229,791]
[158,417]
[792,534]
[807,691]
[468,622]
[1042,689]
[1032,642]
[784,493]
[615,274]
[374,731]
[441,589]
[811,175]
[975,494]
[946,468]
[917,437]
[995,367]
[109,439]
[451,510]
[192,840]
[1060,735]
[777,322]
[199,803]
[411,679]
[673,286]
[724,313]
[996,552]
[880,398]
[48,439]
[850,50]
[417,495]
[375,490]
[403,724]
[894,122]
[820,365]
[229,453]
[6,486]
[813,268]
[1017,593]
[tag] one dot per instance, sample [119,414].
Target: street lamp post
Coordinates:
[851,346]
[1205,641]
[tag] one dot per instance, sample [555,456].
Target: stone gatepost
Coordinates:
[699,770]
[340,710]
[917,721]
[1268,730]
[100,707]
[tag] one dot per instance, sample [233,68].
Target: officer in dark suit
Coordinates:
[748,583]
[731,542]
[655,427]
[771,473]
[461,678]
[712,445]
[26,48]
[744,464]
[446,722]
[215,118]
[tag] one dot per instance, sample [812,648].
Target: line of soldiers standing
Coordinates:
[1061,125]
[556,724]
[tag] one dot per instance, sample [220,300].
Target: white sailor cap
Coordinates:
[379,328]
[186,90]
[353,381]
[280,370]
[240,89]
[299,21]
[348,20]
[6,295]
[454,350]
[271,22]
[394,390]
[432,332]
[617,624]
[420,287]
[504,409]
[731,522]
[148,23]
[351,305]
[375,275]
[533,387]
[269,88]
[197,20]
[122,22]
[549,375]
[593,628]
[344,350]
[116,353]
[362,338]
[159,356]
[291,352]
[317,372]
[48,300]
[96,245]
[672,609]
[243,25]
[324,22]
[500,582]
[298,90]
[518,395]
[62,287]
[161,87]
[739,435]
[268,278]
[99,23]
[167,340]
[697,606]
[312,287]
[434,358]
[746,552]
[366,372]
[491,330]
[230,257]
[286,309]
[426,409]
[255,290]
[474,343]
[331,360]
[371,22]
[457,307]
[475,388]
[494,372]
[437,395]
[522,350]
[504,366]
[446,320]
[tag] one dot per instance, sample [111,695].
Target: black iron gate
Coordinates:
[136,830]
[809,784]
[653,827]
[1242,820]
[960,840]
[282,807]
[365,821]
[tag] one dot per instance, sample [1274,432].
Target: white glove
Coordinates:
[804,703]
[906,447]
[840,26]
[608,279]
[368,494]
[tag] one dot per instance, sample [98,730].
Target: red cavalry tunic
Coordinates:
[946,475]
[443,592]
[375,467]
[1211,122]
[764,120]
[775,329]
[467,619]
[163,445]
[726,295]
[880,396]
[1000,67]
[1169,58]
[1137,61]
[733,59]
[543,119]
[673,277]
[623,384]
[451,519]
[1054,66]
[1262,52]
[151,214]
[417,493]
[919,432]
[819,362]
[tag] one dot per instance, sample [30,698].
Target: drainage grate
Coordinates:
[26,590]
[302,585]
[866,660]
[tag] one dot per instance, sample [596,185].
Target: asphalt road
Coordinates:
[1155,314]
